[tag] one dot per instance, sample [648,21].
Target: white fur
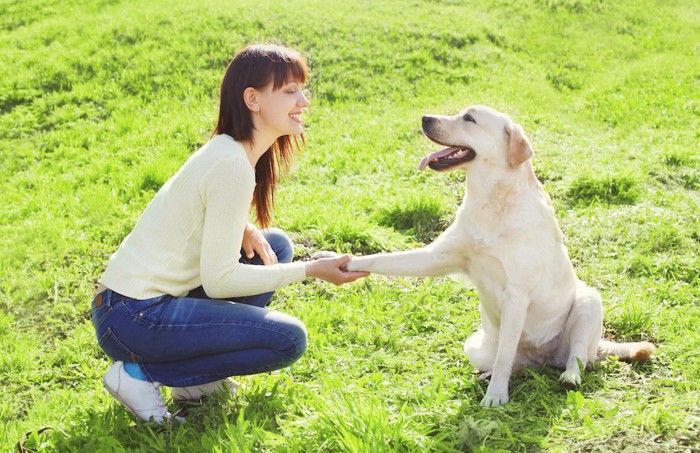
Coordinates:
[506,240]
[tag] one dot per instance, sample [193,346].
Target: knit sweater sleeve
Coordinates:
[227,193]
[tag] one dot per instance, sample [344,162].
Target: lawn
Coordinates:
[102,100]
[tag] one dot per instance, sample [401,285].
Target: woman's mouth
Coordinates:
[296,117]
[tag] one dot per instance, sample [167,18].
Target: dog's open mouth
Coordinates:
[448,157]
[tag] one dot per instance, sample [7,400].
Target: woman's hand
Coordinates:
[255,242]
[331,269]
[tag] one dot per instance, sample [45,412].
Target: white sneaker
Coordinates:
[197,392]
[141,398]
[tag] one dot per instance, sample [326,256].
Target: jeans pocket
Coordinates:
[150,311]
[115,349]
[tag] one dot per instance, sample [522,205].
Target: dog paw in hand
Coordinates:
[324,254]
[351,267]
[329,254]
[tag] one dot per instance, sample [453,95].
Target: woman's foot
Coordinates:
[141,398]
[197,392]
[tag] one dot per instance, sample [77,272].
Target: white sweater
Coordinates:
[191,233]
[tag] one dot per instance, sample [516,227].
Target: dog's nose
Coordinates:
[427,120]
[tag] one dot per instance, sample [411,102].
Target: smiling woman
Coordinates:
[264,103]
[154,313]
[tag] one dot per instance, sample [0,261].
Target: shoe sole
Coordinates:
[233,390]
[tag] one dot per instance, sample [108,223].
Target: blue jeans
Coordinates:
[193,340]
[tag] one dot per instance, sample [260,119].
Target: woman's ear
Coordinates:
[250,97]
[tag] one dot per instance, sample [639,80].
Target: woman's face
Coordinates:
[280,110]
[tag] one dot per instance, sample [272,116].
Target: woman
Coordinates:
[155,311]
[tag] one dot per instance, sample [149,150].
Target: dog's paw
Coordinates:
[496,394]
[352,267]
[570,378]
[324,254]
[486,375]
[494,399]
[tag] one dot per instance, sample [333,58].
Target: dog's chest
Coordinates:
[541,331]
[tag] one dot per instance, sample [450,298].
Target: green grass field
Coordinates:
[102,100]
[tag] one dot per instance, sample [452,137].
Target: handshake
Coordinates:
[332,267]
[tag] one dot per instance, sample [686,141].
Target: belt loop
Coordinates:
[107,298]
[104,299]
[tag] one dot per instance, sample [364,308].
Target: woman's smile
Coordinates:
[296,117]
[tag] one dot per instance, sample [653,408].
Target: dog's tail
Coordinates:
[636,352]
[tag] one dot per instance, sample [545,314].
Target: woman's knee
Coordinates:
[297,338]
[280,243]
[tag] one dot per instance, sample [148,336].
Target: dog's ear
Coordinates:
[519,149]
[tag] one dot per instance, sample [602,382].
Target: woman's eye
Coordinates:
[467,117]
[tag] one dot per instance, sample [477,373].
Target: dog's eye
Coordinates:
[467,117]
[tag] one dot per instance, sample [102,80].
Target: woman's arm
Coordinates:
[227,192]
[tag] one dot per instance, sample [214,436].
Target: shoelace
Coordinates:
[161,405]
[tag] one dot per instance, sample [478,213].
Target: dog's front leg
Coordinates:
[425,262]
[513,312]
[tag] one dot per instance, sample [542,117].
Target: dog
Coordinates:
[507,242]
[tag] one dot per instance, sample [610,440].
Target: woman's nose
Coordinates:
[303,100]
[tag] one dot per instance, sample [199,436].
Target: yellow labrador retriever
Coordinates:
[506,240]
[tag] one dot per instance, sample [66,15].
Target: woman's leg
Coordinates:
[184,341]
[283,248]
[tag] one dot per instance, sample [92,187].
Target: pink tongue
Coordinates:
[436,155]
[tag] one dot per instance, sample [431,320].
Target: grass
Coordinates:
[102,100]
[587,190]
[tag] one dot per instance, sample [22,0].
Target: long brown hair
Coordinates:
[256,66]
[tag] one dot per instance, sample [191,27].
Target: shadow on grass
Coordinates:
[613,190]
[421,217]
[539,406]
[346,237]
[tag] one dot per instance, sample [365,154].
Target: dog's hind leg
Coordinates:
[582,334]
[481,351]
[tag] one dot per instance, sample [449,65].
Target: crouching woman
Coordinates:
[183,300]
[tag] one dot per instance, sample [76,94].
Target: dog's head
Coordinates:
[477,133]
